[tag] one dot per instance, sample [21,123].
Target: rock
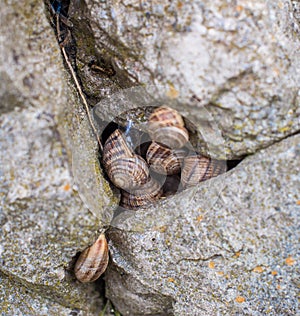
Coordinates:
[227,67]
[228,246]
[18,300]
[48,168]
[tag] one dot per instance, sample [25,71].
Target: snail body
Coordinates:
[93,261]
[166,126]
[198,168]
[164,160]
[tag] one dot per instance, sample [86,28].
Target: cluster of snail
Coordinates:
[167,154]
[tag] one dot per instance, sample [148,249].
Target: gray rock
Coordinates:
[224,65]
[48,168]
[18,300]
[229,246]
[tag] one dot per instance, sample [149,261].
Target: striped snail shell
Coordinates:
[128,173]
[197,168]
[144,195]
[114,148]
[125,169]
[166,126]
[164,160]
[93,261]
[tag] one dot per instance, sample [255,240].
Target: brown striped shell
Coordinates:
[144,195]
[115,148]
[166,126]
[93,261]
[197,168]
[164,160]
[128,173]
[125,169]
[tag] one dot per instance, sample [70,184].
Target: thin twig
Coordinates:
[78,85]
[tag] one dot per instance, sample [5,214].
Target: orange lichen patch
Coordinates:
[276,71]
[239,8]
[199,218]
[240,299]
[67,187]
[161,229]
[278,287]
[171,280]
[172,93]
[179,5]
[280,5]
[290,261]
[274,272]
[258,269]
[211,265]
[220,273]
[298,202]
[237,254]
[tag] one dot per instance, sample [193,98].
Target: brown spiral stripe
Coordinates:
[115,148]
[198,168]
[166,126]
[164,160]
[93,261]
[144,195]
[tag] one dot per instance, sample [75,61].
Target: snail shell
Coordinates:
[115,148]
[128,173]
[164,160]
[93,261]
[166,126]
[125,169]
[198,168]
[144,195]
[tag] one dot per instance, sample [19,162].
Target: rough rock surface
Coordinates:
[47,159]
[238,59]
[227,247]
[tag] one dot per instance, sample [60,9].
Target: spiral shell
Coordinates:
[128,173]
[144,195]
[166,126]
[125,169]
[93,261]
[197,168]
[164,160]
[115,148]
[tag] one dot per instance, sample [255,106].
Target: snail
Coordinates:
[93,261]
[197,168]
[125,169]
[164,160]
[166,126]
[144,195]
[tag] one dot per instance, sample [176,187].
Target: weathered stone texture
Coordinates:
[43,222]
[239,60]
[229,246]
